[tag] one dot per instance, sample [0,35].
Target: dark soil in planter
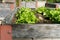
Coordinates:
[43,19]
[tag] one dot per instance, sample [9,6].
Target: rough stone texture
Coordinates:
[6,13]
[5,10]
[37,31]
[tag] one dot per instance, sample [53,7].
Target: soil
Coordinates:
[42,19]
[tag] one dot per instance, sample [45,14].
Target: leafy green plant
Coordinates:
[58,1]
[17,3]
[51,1]
[25,15]
[26,0]
[55,16]
[52,14]
[41,9]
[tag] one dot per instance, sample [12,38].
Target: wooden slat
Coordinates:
[22,39]
[11,6]
[0,31]
[6,32]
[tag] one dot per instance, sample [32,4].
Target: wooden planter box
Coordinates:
[29,31]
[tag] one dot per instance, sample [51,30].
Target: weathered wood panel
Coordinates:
[22,39]
[48,39]
[37,31]
[6,32]
[37,39]
[0,31]
[44,39]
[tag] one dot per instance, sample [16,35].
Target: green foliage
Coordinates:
[17,2]
[27,0]
[25,15]
[50,1]
[53,1]
[55,16]
[41,9]
[52,14]
[58,1]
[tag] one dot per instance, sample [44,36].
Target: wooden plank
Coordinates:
[43,39]
[6,32]
[0,31]
[36,31]
[22,39]
[56,39]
